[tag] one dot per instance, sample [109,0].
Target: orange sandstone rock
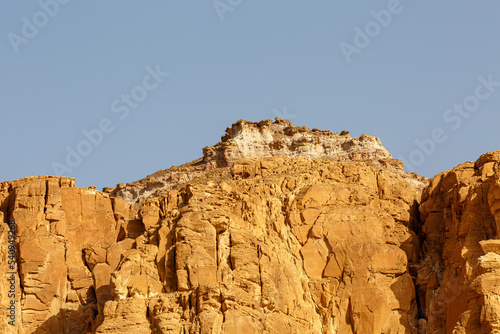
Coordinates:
[278,229]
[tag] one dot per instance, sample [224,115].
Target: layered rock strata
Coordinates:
[344,242]
[264,139]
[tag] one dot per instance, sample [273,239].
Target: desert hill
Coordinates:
[276,229]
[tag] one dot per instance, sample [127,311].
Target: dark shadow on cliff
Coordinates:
[70,321]
[84,319]
[415,226]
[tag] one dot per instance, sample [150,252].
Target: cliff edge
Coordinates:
[277,229]
[264,139]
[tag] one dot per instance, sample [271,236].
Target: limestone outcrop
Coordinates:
[279,138]
[256,240]
[251,140]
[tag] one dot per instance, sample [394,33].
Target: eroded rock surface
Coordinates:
[57,226]
[282,245]
[314,243]
[265,139]
[458,279]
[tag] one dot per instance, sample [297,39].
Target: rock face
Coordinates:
[458,280]
[62,231]
[258,237]
[268,139]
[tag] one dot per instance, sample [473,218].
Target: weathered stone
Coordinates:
[457,283]
[55,223]
[490,246]
[246,141]
[102,284]
[116,252]
[278,229]
[125,316]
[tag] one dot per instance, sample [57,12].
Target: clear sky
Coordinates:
[111,91]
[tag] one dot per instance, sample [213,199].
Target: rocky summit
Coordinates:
[276,229]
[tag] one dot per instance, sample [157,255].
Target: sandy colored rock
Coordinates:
[61,232]
[277,229]
[126,316]
[245,141]
[490,246]
[457,282]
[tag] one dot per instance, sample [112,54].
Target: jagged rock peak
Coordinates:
[279,138]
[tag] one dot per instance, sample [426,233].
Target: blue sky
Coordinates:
[68,67]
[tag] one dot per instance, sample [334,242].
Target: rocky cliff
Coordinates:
[458,278]
[277,229]
[268,139]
